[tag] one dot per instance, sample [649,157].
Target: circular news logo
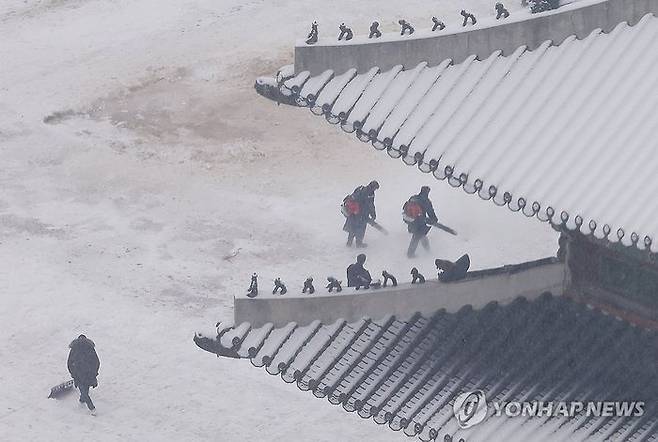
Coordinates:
[470,408]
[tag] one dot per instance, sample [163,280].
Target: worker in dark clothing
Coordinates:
[453,271]
[357,275]
[83,364]
[359,210]
[419,215]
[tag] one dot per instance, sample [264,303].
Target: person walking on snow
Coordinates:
[83,364]
[359,210]
[419,215]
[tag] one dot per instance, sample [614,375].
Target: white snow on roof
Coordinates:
[405,374]
[567,133]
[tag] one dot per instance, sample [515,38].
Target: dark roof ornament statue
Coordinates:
[308,286]
[405,27]
[334,284]
[252,291]
[417,277]
[345,32]
[501,11]
[388,277]
[279,286]
[438,24]
[374,30]
[468,16]
[543,5]
[312,37]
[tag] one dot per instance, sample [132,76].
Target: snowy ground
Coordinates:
[135,156]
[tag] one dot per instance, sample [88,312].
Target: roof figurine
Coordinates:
[501,11]
[308,286]
[543,5]
[312,37]
[279,286]
[388,277]
[345,32]
[405,27]
[334,284]
[468,16]
[374,30]
[437,24]
[252,291]
[453,271]
[417,277]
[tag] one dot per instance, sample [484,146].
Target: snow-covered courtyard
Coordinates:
[143,180]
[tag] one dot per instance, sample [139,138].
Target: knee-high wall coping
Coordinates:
[531,30]
[502,285]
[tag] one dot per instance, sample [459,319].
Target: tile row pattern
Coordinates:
[565,133]
[406,374]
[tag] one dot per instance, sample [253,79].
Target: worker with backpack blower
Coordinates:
[418,214]
[359,211]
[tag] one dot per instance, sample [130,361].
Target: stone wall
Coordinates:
[613,277]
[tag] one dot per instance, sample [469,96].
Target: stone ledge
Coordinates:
[405,299]
[578,19]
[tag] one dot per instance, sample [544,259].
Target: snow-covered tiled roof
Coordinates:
[566,133]
[406,374]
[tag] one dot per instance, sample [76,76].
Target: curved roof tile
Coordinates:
[406,374]
[566,133]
